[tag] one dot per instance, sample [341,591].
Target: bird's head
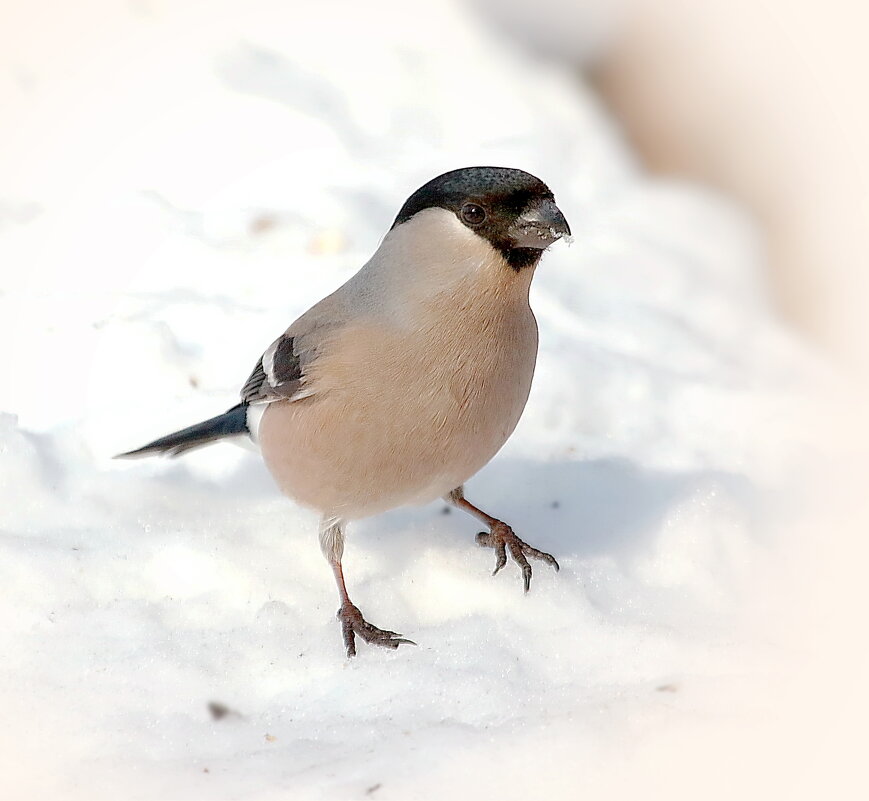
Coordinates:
[510,210]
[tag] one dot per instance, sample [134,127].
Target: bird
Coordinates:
[404,382]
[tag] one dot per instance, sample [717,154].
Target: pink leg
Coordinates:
[501,537]
[352,622]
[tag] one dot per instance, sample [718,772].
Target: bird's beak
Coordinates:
[539,226]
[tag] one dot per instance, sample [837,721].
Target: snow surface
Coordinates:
[181,181]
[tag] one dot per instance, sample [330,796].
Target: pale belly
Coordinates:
[405,431]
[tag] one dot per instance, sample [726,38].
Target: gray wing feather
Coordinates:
[277,375]
[281,372]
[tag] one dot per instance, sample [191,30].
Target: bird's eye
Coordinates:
[473,214]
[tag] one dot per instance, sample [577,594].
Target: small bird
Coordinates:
[408,379]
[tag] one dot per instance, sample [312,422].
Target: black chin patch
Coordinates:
[520,258]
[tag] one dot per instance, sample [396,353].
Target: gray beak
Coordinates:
[539,226]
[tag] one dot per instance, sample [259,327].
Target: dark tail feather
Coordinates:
[229,424]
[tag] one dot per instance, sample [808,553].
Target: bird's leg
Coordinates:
[501,537]
[352,622]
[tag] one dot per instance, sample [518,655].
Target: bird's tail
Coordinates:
[229,424]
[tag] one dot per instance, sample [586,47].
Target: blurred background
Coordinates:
[180,178]
[759,100]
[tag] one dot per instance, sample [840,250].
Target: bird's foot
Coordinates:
[352,623]
[501,537]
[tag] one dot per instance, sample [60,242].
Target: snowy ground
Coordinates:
[178,185]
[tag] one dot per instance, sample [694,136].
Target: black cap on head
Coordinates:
[512,209]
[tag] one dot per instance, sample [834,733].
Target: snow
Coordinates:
[184,179]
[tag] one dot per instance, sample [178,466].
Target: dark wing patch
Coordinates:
[277,376]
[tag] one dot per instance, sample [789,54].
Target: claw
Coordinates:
[501,553]
[352,623]
[502,537]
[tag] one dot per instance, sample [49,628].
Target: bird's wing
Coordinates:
[284,370]
[278,375]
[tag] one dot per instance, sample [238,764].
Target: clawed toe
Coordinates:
[352,623]
[502,538]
